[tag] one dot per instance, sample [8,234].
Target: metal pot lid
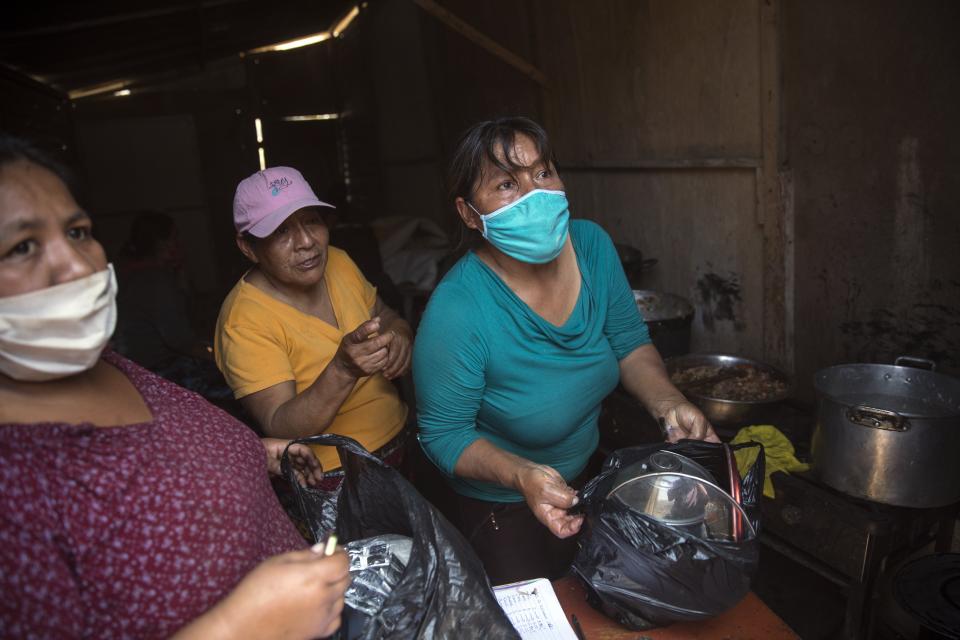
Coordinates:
[660,462]
[663,461]
[656,306]
[683,496]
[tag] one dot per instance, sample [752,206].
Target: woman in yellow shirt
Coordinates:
[303,339]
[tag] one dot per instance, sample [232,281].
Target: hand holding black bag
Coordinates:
[444,592]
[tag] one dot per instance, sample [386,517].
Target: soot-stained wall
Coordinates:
[870,95]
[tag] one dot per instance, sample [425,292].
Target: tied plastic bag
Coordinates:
[645,573]
[443,592]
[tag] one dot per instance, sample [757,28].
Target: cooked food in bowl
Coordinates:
[739,382]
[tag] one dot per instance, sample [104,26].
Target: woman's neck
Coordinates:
[28,389]
[312,300]
[510,269]
[101,395]
[550,290]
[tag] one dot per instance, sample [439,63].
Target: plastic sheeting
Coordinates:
[412,249]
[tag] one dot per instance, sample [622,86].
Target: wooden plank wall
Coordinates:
[665,120]
[656,112]
[870,94]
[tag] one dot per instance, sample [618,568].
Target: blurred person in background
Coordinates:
[154,328]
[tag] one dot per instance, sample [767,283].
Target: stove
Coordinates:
[846,540]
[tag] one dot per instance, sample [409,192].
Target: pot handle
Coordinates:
[923,362]
[877,418]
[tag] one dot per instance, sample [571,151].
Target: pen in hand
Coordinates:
[326,547]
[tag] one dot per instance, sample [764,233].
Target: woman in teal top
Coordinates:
[520,343]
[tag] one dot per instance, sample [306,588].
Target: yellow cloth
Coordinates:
[777,450]
[261,342]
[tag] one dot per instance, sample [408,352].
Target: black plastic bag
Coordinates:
[444,592]
[644,573]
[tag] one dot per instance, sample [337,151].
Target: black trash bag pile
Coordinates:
[443,592]
[644,573]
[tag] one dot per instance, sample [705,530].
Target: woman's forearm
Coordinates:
[645,377]
[390,320]
[393,321]
[212,625]
[284,413]
[483,460]
[298,594]
[542,487]
[314,409]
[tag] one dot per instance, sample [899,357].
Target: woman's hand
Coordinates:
[292,595]
[363,353]
[305,464]
[645,377]
[549,497]
[399,351]
[545,491]
[684,420]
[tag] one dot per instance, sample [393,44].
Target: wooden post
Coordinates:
[770,204]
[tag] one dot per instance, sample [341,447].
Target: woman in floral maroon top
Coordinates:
[129,507]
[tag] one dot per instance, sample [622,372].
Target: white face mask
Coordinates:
[58,331]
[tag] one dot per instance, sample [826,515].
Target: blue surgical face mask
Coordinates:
[532,228]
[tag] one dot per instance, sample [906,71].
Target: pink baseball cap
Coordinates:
[267,198]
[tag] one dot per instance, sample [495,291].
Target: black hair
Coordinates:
[481,142]
[147,232]
[14,149]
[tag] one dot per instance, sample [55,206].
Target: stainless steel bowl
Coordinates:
[720,411]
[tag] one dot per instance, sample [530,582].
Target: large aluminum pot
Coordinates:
[888,433]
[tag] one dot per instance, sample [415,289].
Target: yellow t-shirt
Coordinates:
[261,342]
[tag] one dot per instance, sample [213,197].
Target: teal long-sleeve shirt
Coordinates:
[487,366]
